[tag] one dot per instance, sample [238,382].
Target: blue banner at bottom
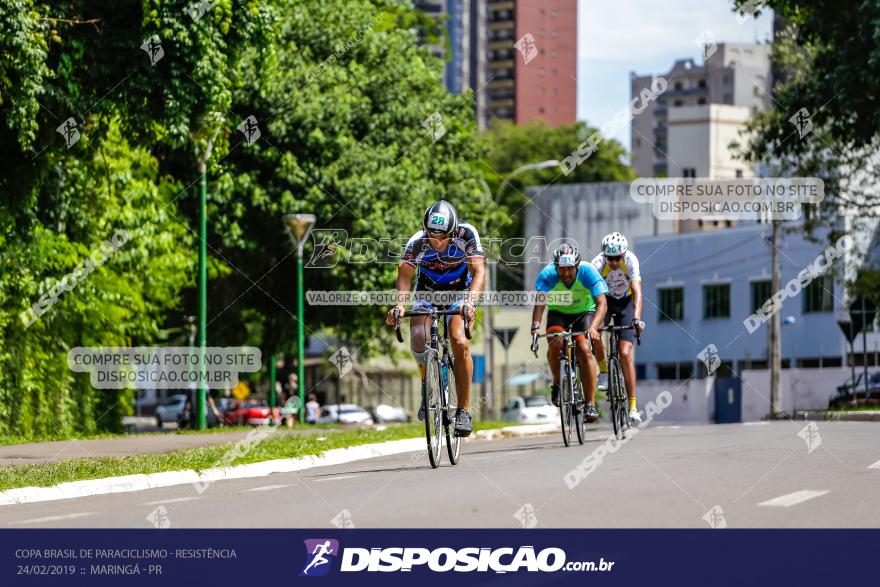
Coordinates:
[397,557]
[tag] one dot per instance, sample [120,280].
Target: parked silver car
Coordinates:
[535,409]
[344,414]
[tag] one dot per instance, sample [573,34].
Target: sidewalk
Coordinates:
[37,453]
[60,450]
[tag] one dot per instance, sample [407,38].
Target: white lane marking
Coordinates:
[665,427]
[172,500]
[269,487]
[755,423]
[52,518]
[875,465]
[790,499]
[337,478]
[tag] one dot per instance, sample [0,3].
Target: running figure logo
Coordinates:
[317,553]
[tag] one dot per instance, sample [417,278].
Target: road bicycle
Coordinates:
[571,394]
[440,405]
[616,386]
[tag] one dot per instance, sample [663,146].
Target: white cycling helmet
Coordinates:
[614,244]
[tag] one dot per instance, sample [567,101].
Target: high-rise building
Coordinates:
[686,130]
[518,56]
[546,78]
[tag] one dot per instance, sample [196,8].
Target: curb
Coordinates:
[336,456]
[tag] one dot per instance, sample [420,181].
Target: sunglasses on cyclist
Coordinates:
[615,258]
[438,234]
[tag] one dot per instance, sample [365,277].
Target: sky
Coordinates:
[616,37]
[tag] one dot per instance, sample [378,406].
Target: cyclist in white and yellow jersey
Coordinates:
[620,269]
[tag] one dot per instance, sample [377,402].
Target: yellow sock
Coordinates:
[422,372]
[603,366]
[632,403]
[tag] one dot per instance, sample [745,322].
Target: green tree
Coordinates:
[344,137]
[824,121]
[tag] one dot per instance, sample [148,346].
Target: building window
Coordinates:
[728,98]
[638,141]
[701,101]
[716,301]
[671,304]
[675,370]
[678,85]
[739,173]
[689,172]
[678,103]
[819,295]
[701,83]
[760,293]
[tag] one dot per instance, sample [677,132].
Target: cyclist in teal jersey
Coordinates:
[585,312]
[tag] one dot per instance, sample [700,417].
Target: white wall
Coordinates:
[802,389]
[692,400]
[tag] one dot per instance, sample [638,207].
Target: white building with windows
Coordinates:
[700,287]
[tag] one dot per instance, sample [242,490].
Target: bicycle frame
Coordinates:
[571,395]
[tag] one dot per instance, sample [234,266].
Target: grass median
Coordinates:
[281,444]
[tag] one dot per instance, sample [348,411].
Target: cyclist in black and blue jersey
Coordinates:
[445,256]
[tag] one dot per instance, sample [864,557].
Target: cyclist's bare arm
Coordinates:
[405,274]
[537,314]
[598,317]
[636,286]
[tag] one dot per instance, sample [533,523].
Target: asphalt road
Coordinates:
[760,475]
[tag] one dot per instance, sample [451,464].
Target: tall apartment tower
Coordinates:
[546,84]
[518,56]
[686,131]
[465,64]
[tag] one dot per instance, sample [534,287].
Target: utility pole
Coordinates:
[774,332]
[489,351]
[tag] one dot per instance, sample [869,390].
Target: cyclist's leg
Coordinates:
[464,365]
[419,336]
[585,360]
[556,322]
[586,366]
[625,351]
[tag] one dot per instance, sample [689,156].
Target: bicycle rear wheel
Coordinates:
[566,405]
[453,442]
[433,408]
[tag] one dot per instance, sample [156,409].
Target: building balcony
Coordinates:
[501,25]
[503,64]
[500,84]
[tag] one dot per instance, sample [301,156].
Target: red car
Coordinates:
[250,412]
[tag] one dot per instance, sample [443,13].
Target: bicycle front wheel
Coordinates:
[580,405]
[453,442]
[433,408]
[566,405]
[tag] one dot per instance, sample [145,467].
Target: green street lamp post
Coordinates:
[300,226]
[203,293]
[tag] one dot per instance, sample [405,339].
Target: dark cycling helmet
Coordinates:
[567,256]
[440,217]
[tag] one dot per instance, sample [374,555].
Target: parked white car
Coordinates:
[344,414]
[535,409]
